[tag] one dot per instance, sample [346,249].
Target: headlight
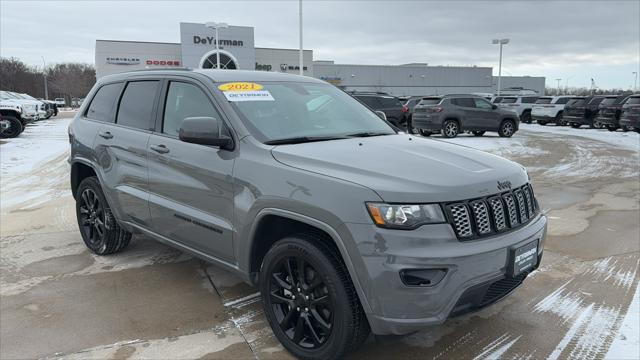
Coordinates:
[405,216]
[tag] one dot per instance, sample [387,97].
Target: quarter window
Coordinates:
[136,105]
[101,107]
[185,100]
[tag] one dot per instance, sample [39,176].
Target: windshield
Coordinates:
[285,110]
[9,96]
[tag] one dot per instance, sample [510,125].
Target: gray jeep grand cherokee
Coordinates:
[296,187]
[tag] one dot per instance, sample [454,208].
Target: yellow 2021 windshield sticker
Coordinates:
[240,86]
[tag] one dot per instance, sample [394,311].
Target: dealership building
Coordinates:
[197,50]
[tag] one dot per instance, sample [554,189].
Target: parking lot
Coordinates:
[59,300]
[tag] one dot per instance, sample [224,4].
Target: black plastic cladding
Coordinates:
[524,214]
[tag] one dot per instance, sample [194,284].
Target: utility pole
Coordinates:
[500,42]
[635,81]
[300,19]
[44,74]
[558,80]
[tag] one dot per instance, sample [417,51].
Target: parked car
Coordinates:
[391,106]
[549,109]
[582,111]
[11,119]
[298,190]
[630,114]
[453,114]
[28,108]
[59,102]
[522,105]
[410,104]
[609,112]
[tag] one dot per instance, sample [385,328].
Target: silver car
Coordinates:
[344,224]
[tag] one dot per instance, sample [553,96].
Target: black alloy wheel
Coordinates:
[301,302]
[92,218]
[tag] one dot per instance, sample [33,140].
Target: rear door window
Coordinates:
[430,101]
[137,104]
[508,100]
[103,103]
[482,104]
[543,101]
[389,102]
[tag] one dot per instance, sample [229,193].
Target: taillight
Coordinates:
[405,108]
[437,109]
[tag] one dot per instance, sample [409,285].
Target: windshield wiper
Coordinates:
[368,134]
[302,139]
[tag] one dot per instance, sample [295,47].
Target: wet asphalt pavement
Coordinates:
[58,300]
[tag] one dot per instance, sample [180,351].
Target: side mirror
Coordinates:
[494,106]
[381,114]
[204,131]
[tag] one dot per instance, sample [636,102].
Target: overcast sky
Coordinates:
[574,40]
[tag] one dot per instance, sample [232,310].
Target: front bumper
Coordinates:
[471,267]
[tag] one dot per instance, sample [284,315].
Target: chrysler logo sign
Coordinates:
[123,60]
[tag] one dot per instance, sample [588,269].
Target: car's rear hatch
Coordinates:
[575,107]
[609,106]
[427,106]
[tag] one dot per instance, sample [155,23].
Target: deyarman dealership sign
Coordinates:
[210,40]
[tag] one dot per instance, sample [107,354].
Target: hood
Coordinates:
[404,168]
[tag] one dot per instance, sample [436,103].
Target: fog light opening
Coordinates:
[422,277]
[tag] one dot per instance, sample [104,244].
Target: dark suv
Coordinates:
[583,111]
[452,114]
[630,114]
[297,188]
[391,106]
[609,112]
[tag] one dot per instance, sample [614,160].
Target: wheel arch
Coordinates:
[279,223]
[9,112]
[80,171]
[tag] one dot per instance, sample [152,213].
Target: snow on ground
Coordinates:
[21,157]
[627,342]
[629,140]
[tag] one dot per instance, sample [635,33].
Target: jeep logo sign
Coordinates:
[504,185]
[210,40]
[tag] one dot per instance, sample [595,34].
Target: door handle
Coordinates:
[159,149]
[105,134]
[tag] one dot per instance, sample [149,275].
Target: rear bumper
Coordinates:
[421,121]
[544,118]
[607,120]
[476,272]
[632,121]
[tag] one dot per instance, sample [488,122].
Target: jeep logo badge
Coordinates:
[504,185]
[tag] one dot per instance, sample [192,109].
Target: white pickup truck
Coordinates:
[549,109]
[520,104]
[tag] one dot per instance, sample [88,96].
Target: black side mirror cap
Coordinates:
[494,106]
[204,130]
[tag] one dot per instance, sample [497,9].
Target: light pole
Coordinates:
[566,84]
[558,80]
[500,42]
[44,74]
[635,81]
[216,26]
[300,55]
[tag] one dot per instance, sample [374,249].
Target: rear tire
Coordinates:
[478,133]
[543,123]
[14,129]
[309,299]
[450,129]
[100,231]
[560,120]
[425,132]
[507,129]
[575,125]
[526,117]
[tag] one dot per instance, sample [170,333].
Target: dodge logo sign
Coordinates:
[504,185]
[164,62]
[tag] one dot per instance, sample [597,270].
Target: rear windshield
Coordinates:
[430,101]
[544,101]
[595,101]
[508,100]
[633,101]
[575,102]
[563,100]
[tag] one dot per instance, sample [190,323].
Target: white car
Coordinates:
[549,109]
[522,105]
[59,102]
[41,107]
[29,107]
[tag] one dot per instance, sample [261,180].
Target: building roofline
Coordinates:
[266,48]
[138,42]
[412,66]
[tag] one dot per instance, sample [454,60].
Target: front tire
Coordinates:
[426,133]
[14,129]
[507,128]
[450,129]
[526,117]
[309,299]
[478,133]
[100,231]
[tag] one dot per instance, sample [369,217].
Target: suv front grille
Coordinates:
[494,214]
